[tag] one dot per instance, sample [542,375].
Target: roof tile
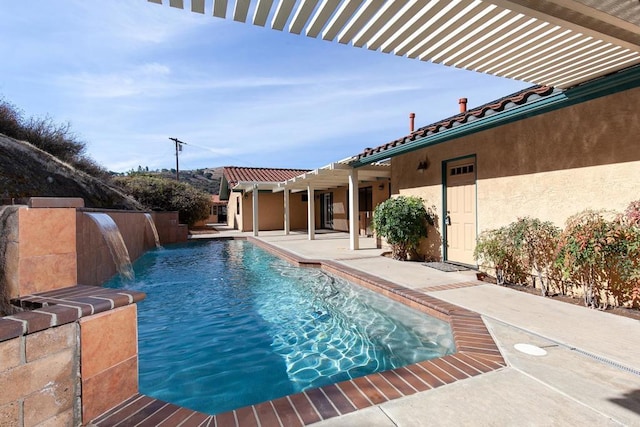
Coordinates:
[518,98]
[235,174]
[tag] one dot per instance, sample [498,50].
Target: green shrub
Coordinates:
[632,219]
[535,244]
[495,249]
[600,253]
[632,213]
[519,249]
[597,251]
[402,221]
[162,194]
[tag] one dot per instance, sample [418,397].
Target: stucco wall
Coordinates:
[549,166]
[379,193]
[340,209]
[234,217]
[270,211]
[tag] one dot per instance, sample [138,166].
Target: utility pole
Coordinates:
[179,145]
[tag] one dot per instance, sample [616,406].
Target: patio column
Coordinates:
[255,210]
[287,214]
[354,223]
[311,213]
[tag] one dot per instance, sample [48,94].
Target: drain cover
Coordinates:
[530,349]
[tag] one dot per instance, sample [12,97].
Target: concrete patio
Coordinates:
[589,376]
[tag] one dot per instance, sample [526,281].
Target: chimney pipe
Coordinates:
[412,116]
[463,105]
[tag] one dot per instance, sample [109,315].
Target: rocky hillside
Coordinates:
[27,171]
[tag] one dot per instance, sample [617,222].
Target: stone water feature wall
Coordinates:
[68,352]
[169,228]
[95,262]
[40,246]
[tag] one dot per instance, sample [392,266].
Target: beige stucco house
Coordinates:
[542,152]
[548,151]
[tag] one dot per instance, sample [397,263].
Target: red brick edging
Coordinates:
[62,306]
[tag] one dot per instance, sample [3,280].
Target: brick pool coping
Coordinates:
[61,306]
[476,354]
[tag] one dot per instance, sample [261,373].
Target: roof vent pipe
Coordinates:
[412,117]
[463,105]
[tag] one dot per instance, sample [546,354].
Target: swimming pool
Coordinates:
[226,324]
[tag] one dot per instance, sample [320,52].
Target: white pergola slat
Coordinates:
[284,9]
[412,16]
[558,43]
[262,12]
[334,175]
[322,16]
[220,8]
[383,16]
[241,10]
[360,19]
[339,20]
[302,15]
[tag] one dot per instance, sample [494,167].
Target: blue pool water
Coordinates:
[226,324]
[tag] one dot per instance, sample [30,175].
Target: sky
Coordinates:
[128,75]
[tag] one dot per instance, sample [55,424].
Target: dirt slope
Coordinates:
[27,171]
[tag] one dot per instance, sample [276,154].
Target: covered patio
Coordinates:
[334,175]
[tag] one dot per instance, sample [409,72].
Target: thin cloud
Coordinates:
[130,74]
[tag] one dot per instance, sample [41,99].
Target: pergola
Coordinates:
[559,43]
[334,175]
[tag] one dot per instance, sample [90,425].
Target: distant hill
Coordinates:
[27,171]
[207,180]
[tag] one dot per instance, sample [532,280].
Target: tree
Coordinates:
[402,221]
[162,194]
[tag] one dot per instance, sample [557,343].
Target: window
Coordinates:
[365,199]
[461,170]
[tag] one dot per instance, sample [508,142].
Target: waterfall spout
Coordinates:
[114,241]
[153,228]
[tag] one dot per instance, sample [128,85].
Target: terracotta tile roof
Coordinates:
[516,99]
[235,174]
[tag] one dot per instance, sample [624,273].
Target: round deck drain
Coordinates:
[530,349]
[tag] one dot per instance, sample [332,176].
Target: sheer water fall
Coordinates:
[153,229]
[115,243]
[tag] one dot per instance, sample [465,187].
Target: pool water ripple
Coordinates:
[225,324]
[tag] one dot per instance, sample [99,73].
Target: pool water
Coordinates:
[226,324]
